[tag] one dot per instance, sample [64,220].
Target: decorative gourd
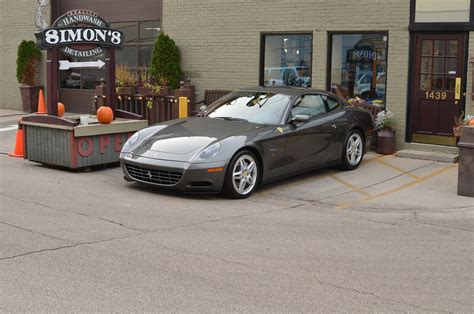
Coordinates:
[61,109]
[105,115]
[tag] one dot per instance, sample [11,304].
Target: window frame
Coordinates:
[261,66]
[312,117]
[329,54]
[138,44]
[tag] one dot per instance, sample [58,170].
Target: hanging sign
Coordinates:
[80,34]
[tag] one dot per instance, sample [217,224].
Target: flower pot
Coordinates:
[29,97]
[386,141]
[126,90]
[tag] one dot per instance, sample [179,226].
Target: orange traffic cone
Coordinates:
[41,104]
[18,151]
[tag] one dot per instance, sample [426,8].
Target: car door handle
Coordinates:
[334,126]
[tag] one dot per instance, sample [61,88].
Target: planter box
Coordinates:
[29,98]
[77,146]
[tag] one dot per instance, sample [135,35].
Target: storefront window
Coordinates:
[359,66]
[138,45]
[436,11]
[287,60]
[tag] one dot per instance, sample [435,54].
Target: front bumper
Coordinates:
[176,175]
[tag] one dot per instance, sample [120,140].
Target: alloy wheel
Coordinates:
[354,149]
[244,174]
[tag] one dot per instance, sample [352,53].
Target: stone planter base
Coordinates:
[76,147]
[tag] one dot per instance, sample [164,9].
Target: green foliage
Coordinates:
[165,59]
[28,57]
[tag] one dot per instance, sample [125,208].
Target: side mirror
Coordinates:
[302,118]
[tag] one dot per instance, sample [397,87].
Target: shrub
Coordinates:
[28,57]
[165,61]
[124,77]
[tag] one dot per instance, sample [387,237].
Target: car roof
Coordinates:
[290,91]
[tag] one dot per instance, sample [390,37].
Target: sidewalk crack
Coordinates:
[34,232]
[377,296]
[65,247]
[75,213]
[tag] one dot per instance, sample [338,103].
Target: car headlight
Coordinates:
[130,142]
[209,152]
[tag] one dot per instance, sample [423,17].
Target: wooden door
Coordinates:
[438,78]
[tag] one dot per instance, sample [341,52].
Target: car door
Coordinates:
[339,125]
[309,144]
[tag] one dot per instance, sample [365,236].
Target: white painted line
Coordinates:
[9,128]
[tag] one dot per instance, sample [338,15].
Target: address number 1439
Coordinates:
[435,95]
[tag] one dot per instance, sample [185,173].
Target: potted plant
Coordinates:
[165,62]
[145,82]
[385,133]
[459,122]
[125,80]
[26,68]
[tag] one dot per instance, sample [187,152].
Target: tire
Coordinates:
[353,150]
[243,166]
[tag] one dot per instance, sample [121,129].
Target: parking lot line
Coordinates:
[349,185]
[403,171]
[400,188]
[9,128]
[331,173]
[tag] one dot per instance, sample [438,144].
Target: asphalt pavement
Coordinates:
[390,236]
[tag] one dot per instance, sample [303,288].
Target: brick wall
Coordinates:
[17,24]
[220,39]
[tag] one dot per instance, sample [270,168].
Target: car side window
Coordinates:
[311,105]
[332,103]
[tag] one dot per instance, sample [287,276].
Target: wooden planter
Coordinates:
[126,90]
[386,141]
[29,97]
[77,146]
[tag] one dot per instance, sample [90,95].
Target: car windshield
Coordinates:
[254,107]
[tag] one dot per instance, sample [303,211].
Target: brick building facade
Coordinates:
[222,43]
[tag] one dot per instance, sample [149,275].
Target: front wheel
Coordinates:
[352,151]
[242,175]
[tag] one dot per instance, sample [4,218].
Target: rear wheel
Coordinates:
[242,175]
[353,150]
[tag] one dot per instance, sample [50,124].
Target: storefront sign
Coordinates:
[80,34]
[361,55]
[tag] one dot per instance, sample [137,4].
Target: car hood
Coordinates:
[182,140]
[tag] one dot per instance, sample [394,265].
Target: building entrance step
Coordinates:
[427,155]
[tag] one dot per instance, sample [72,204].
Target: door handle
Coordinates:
[457,89]
[334,126]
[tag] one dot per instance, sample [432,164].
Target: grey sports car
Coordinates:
[249,137]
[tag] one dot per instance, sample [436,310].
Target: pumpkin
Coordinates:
[61,109]
[471,122]
[105,115]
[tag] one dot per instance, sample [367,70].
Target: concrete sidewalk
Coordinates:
[380,182]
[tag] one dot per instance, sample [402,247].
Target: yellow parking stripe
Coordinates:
[400,188]
[403,171]
[317,178]
[351,186]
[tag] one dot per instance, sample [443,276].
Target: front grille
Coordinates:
[160,177]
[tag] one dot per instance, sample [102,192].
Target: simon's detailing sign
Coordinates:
[80,34]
